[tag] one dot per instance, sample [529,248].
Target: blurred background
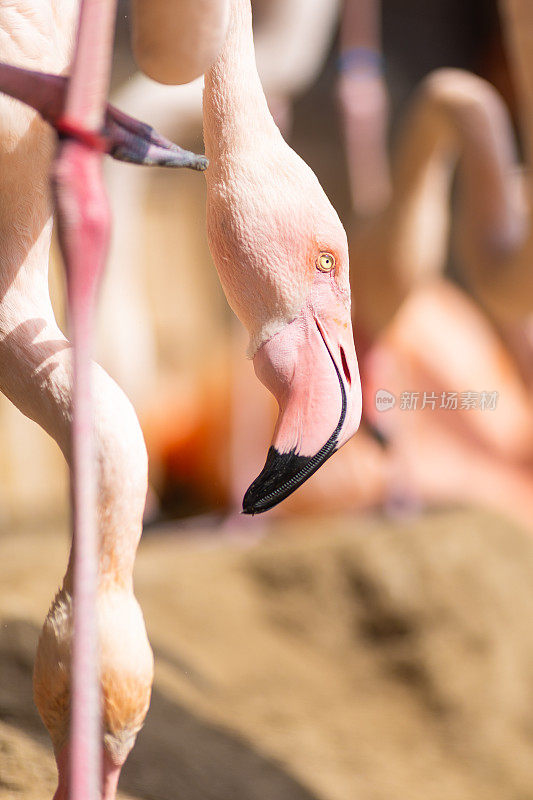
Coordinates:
[372,636]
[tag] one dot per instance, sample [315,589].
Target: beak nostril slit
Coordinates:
[345,367]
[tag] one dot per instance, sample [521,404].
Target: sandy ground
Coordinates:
[337,659]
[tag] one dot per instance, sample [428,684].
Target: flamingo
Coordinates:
[497,251]
[277,304]
[36,363]
[282,258]
[455,118]
[398,255]
[291,43]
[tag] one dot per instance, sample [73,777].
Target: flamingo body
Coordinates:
[199,26]
[36,374]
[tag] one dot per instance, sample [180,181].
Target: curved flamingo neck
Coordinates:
[459,115]
[235,108]
[518,16]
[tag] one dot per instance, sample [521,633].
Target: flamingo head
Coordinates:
[282,256]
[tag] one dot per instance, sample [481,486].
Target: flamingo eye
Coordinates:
[325,262]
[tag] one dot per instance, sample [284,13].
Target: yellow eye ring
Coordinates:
[325,262]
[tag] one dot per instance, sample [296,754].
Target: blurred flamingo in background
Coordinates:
[403,304]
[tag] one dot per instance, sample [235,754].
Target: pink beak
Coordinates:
[311,369]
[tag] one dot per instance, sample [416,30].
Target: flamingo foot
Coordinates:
[138,143]
[124,138]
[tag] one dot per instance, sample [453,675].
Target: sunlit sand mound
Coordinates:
[337,660]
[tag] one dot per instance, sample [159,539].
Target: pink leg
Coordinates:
[363,99]
[84,223]
[84,232]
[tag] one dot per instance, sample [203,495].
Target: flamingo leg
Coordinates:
[84,232]
[362,94]
[84,223]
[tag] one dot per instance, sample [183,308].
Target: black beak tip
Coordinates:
[282,474]
[273,484]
